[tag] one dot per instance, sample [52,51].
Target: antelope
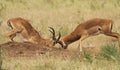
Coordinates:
[89,28]
[25,29]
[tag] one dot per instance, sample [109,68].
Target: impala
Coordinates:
[89,28]
[23,27]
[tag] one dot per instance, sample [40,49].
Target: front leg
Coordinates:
[80,41]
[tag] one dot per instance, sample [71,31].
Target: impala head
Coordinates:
[59,39]
[54,40]
[63,44]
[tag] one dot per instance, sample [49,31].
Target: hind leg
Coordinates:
[11,35]
[113,34]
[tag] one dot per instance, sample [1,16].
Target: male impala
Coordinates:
[23,27]
[89,28]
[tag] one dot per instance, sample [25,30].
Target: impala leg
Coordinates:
[114,34]
[80,42]
[80,46]
[12,34]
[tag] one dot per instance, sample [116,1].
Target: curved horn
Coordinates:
[59,36]
[53,33]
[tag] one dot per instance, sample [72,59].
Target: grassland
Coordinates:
[108,59]
[64,16]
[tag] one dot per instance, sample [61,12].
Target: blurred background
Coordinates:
[62,15]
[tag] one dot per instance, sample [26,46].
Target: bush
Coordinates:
[87,56]
[111,52]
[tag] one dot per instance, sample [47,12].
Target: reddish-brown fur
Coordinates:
[89,28]
[23,27]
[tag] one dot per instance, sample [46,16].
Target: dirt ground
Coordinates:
[14,49]
[29,49]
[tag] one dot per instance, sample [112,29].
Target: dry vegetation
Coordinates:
[63,15]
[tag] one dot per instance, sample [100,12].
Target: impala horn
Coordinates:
[53,33]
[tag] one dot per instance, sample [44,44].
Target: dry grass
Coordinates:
[47,62]
[64,15]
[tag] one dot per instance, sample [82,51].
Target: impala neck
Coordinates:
[68,39]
